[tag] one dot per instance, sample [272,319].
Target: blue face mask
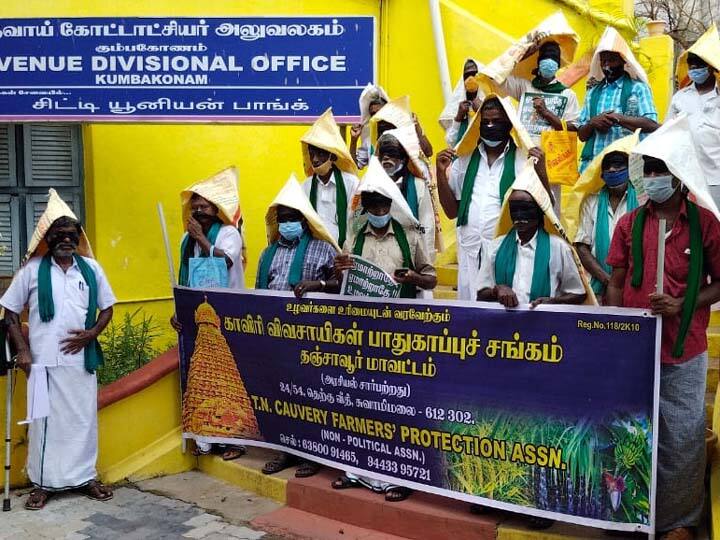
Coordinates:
[547,68]
[491,144]
[615,178]
[699,75]
[659,188]
[378,222]
[291,230]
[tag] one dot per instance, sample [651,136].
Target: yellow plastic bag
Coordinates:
[561,155]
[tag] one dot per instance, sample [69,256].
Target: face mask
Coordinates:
[612,73]
[471,84]
[378,222]
[392,167]
[291,230]
[524,211]
[615,178]
[699,75]
[497,133]
[491,144]
[72,238]
[659,188]
[323,169]
[547,68]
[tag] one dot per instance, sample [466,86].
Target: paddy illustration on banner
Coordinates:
[548,412]
[185,68]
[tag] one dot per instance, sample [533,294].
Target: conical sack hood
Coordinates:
[292,196]
[221,189]
[55,209]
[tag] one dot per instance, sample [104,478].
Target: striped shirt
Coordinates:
[318,264]
[640,103]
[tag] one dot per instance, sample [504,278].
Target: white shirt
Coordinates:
[229,240]
[564,275]
[588,215]
[326,205]
[71,296]
[485,203]
[703,112]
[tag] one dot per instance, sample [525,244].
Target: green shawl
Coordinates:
[602,231]
[46,306]
[506,180]
[296,267]
[694,280]
[507,255]
[187,248]
[550,88]
[409,191]
[341,201]
[407,290]
[589,148]
[462,129]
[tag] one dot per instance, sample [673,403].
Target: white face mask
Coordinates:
[392,167]
[659,188]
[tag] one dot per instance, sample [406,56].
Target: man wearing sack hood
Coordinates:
[332,174]
[70,303]
[398,153]
[211,212]
[489,160]
[691,283]
[529,264]
[548,64]
[387,235]
[300,257]
[620,103]
[601,210]
[700,101]
[463,105]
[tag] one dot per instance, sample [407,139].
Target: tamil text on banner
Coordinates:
[185,68]
[547,412]
[368,279]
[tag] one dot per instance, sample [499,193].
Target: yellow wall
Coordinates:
[129,168]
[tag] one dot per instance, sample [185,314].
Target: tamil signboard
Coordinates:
[248,69]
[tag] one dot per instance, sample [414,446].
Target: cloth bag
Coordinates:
[561,155]
[207,272]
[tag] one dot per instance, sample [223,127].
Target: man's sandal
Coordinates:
[279,463]
[307,469]
[233,452]
[343,482]
[37,499]
[397,494]
[96,491]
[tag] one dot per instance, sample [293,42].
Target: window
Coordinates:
[34,158]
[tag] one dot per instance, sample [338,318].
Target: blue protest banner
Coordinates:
[249,69]
[549,412]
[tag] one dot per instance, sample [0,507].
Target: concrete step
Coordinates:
[422,516]
[447,274]
[292,523]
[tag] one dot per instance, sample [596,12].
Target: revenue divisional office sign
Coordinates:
[246,69]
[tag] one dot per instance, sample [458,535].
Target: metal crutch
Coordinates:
[7,366]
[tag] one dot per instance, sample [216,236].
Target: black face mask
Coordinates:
[613,73]
[524,211]
[69,237]
[499,131]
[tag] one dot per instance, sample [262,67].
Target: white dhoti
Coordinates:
[468,272]
[63,446]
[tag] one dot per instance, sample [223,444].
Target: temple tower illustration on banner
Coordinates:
[215,403]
